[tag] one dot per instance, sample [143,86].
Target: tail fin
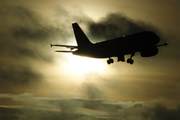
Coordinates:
[81,38]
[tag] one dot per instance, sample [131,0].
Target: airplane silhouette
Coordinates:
[143,42]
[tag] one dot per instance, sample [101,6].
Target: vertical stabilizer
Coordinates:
[81,38]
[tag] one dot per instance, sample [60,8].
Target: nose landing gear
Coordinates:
[110,61]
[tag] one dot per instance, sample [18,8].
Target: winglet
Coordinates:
[51,45]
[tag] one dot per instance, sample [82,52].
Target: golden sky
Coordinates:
[36,81]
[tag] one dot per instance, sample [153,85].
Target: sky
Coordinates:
[39,84]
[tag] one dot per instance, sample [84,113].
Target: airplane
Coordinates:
[144,42]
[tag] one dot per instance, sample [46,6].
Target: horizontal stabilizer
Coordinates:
[165,44]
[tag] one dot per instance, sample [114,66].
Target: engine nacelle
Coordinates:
[149,52]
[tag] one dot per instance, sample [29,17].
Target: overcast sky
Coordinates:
[39,84]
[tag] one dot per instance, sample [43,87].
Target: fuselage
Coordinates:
[119,46]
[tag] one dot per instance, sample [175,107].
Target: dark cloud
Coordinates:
[161,112]
[9,113]
[34,28]
[26,33]
[21,38]
[15,76]
[29,113]
[115,25]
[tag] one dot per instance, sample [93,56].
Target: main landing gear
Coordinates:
[110,61]
[130,60]
[120,58]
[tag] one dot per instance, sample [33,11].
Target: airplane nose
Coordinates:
[152,37]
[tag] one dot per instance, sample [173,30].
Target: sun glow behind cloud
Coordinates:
[83,65]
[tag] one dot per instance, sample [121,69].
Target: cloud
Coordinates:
[77,109]
[44,108]
[161,112]
[30,113]
[91,91]
[115,25]
[17,76]
[9,113]
[26,33]
[19,48]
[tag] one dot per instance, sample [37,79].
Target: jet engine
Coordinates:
[149,52]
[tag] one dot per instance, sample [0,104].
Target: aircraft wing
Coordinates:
[64,51]
[67,46]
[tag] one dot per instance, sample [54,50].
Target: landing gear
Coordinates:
[130,60]
[110,61]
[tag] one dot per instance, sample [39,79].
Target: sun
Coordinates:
[82,65]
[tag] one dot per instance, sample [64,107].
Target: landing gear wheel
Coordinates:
[110,61]
[130,61]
